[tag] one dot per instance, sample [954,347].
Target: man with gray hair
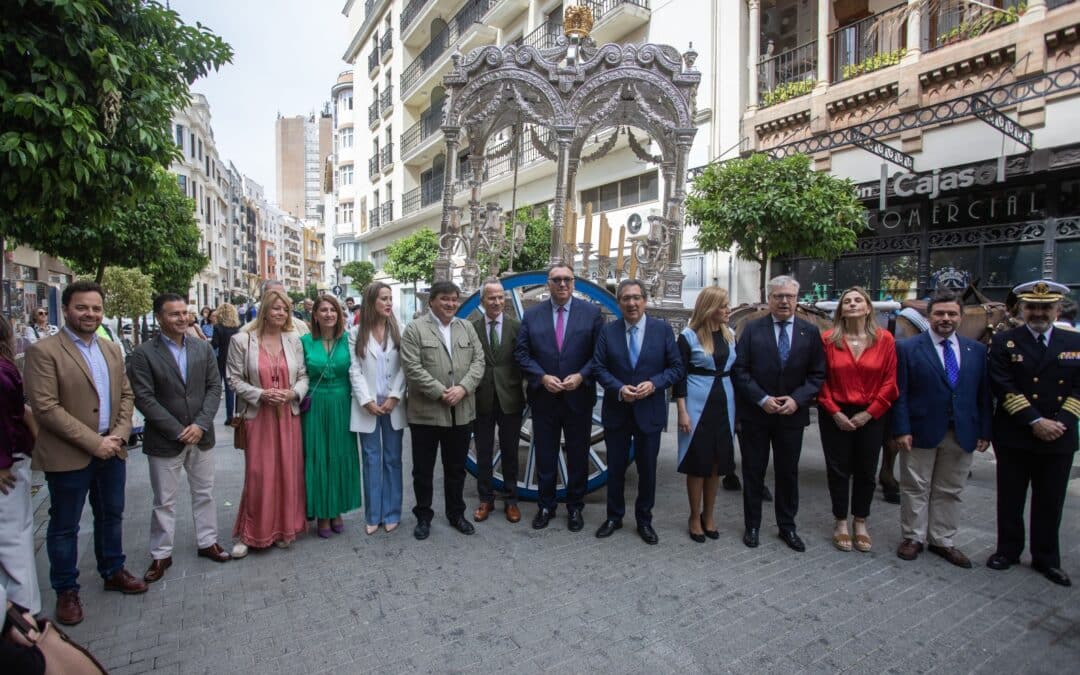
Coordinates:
[779,368]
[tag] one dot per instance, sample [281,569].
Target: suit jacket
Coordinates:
[537,355]
[430,370]
[658,362]
[757,372]
[243,371]
[502,376]
[64,400]
[1029,385]
[170,404]
[362,377]
[926,398]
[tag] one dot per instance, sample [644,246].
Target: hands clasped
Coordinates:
[780,405]
[569,383]
[630,393]
[277,396]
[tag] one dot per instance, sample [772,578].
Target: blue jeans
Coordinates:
[230,398]
[104,480]
[381,451]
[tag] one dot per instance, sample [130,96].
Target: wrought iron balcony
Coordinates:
[958,20]
[373,167]
[373,60]
[787,74]
[442,41]
[386,100]
[544,36]
[386,156]
[601,7]
[386,213]
[429,124]
[373,113]
[867,45]
[411,11]
[421,197]
[386,44]
[373,218]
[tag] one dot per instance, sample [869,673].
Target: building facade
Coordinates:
[301,144]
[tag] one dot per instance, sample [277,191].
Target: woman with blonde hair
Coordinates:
[860,387]
[331,463]
[266,369]
[706,406]
[228,324]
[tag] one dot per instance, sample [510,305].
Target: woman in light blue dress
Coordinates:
[706,403]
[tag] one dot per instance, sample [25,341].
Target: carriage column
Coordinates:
[563,136]
[442,263]
[673,275]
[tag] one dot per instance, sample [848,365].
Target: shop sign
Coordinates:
[931,184]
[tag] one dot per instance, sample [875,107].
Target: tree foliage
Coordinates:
[771,207]
[535,253]
[412,259]
[87,93]
[360,273]
[128,292]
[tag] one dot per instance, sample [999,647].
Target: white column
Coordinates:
[823,74]
[1036,11]
[753,50]
[914,32]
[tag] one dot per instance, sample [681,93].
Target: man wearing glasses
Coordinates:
[779,368]
[555,349]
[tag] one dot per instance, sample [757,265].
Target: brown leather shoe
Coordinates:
[513,513]
[125,582]
[483,511]
[215,553]
[68,608]
[952,554]
[909,549]
[157,570]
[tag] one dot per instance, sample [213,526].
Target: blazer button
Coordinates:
[95,410]
[1059,398]
[1035,396]
[1061,381]
[1034,379]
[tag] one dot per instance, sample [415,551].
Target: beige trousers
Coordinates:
[931,480]
[18,571]
[165,481]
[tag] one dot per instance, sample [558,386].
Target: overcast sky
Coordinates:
[287,56]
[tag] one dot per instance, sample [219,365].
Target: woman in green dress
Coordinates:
[331,460]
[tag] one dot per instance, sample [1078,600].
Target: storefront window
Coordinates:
[854,271]
[813,277]
[898,277]
[1068,262]
[1011,265]
[953,268]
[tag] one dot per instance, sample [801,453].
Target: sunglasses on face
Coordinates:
[559,281]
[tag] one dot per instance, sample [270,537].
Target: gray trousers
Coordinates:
[18,573]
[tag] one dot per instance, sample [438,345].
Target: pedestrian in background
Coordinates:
[194,328]
[331,463]
[378,410]
[40,327]
[206,321]
[860,387]
[178,390]
[228,324]
[706,405]
[266,369]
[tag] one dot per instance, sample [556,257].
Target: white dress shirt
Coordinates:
[954,345]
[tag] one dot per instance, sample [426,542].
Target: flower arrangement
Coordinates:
[787,90]
[872,63]
[982,24]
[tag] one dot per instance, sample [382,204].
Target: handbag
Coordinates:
[63,656]
[239,432]
[305,403]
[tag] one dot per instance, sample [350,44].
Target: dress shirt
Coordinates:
[953,344]
[498,321]
[179,354]
[869,383]
[640,332]
[99,371]
[566,316]
[1035,334]
[382,371]
[444,329]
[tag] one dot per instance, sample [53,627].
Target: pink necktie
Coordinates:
[560,327]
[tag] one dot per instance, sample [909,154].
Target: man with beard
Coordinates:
[1035,377]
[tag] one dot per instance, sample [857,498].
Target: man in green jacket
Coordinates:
[443,361]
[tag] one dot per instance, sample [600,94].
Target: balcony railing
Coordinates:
[373,60]
[373,218]
[373,166]
[601,7]
[869,44]
[958,20]
[386,99]
[386,43]
[386,155]
[441,42]
[427,194]
[544,36]
[411,11]
[386,213]
[787,74]
[430,122]
[373,112]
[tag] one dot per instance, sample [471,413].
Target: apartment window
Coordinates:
[346,213]
[180,137]
[346,100]
[191,148]
[347,175]
[347,138]
[623,193]
[694,268]
[389,79]
[182,182]
[200,150]
[378,258]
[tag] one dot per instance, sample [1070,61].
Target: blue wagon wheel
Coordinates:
[516,287]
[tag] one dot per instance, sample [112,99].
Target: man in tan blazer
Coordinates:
[83,402]
[443,361]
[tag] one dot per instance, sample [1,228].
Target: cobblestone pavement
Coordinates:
[516,599]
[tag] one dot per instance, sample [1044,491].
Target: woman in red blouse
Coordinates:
[860,386]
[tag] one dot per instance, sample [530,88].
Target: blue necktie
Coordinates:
[783,343]
[635,349]
[952,368]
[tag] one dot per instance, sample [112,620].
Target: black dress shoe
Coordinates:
[647,534]
[699,538]
[750,537]
[766,495]
[422,530]
[608,528]
[1000,561]
[891,497]
[463,526]
[574,520]
[711,534]
[543,517]
[731,483]
[792,539]
[1054,574]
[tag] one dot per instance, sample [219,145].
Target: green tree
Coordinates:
[412,259]
[128,294]
[312,292]
[296,297]
[535,253]
[87,93]
[360,272]
[770,207]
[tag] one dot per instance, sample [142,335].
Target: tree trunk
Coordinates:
[100,271]
[762,278]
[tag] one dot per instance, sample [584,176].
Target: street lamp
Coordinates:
[337,270]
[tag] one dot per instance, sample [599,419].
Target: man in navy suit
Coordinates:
[778,370]
[940,419]
[1035,377]
[554,350]
[636,360]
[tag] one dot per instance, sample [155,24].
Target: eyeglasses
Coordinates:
[43,314]
[784,296]
[559,281]
[631,298]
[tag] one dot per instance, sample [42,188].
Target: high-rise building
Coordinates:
[302,145]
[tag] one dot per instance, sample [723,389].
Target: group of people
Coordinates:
[321,412]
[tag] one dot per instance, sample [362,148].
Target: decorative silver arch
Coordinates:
[557,99]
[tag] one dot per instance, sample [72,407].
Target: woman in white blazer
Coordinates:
[378,406]
[266,370]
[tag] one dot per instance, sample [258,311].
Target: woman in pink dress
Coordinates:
[266,370]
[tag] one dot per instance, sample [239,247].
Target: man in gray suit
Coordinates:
[500,401]
[178,389]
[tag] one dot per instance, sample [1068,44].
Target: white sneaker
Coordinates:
[239,550]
